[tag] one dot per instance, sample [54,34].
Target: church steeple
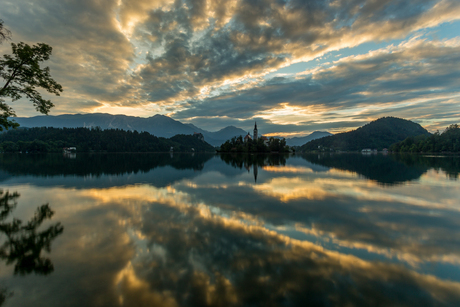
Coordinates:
[255,131]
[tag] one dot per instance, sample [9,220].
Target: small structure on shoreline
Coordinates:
[69,149]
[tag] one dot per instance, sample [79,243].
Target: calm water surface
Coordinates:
[211,230]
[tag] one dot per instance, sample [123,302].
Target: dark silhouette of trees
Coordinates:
[86,140]
[237,144]
[5,34]
[24,243]
[22,74]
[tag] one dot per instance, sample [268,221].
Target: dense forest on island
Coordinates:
[378,134]
[96,140]
[238,144]
[447,141]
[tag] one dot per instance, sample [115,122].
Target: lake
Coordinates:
[229,230]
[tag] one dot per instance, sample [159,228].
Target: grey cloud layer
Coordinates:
[264,35]
[90,55]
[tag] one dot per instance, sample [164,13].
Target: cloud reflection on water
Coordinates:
[298,236]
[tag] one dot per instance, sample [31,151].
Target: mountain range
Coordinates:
[158,125]
[299,141]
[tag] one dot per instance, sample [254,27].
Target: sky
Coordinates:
[293,66]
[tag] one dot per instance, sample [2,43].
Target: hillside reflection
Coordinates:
[388,169]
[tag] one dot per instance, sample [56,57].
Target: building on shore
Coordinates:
[247,137]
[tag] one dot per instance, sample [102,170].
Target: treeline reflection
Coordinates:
[97,164]
[384,169]
[260,160]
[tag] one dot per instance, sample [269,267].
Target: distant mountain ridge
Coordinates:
[378,134]
[299,141]
[158,125]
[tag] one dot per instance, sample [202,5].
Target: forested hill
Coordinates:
[378,134]
[86,140]
[447,141]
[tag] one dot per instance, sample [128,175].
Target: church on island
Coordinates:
[255,135]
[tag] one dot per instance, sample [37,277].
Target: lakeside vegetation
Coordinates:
[35,140]
[447,141]
[238,144]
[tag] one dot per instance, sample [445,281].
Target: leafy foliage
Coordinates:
[378,134]
[85,140]
[237,144]
[448,141]
[22,74]
[5,34]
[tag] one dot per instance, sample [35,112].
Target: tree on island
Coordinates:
[238,144]
[22,74]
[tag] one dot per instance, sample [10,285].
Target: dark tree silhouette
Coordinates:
[5,34]
[22,74]
[24,243]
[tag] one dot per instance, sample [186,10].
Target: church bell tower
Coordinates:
[255,131]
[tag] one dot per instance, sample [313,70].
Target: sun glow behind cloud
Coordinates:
[211,59]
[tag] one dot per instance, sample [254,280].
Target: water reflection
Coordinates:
[102,170]
[304,233]
[96,164]
[253,161]
[201,258]
[388,169]
[22,244]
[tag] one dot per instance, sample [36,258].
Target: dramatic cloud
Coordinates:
[409,80]
[216,62]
